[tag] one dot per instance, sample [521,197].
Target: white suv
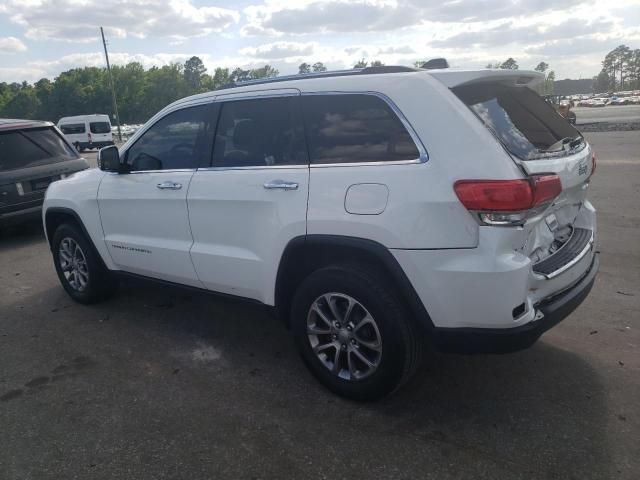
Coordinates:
[368,207]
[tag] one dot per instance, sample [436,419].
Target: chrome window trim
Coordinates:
[257,94]
[170,170]
[424,155]
[255,167]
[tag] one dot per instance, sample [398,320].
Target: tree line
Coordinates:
[142,92]
[620,70]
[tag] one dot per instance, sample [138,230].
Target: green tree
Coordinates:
[362,63]
[318,67]
[263,72]
[220,77]
[542,67]
[377,63]
[194,70]
[304,68]
[549,83]
[24,104]
[509,64]
[240,75]
[601,82]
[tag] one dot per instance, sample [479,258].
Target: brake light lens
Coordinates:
[545,188]
[507,202]
[494,195]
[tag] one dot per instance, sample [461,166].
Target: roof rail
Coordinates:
[335,73]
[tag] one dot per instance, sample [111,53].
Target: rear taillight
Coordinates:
[507,202]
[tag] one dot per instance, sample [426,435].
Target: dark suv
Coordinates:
[32,155]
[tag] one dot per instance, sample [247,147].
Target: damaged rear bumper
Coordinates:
[549,312]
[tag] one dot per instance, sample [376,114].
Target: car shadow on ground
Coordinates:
[20,235]
[539,413]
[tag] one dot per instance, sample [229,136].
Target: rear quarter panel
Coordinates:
[423,211]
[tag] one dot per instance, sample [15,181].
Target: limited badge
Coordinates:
[582,168]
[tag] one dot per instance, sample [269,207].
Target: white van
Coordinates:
[87,131]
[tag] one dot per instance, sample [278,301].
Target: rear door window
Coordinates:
[33,147]
[72,128]
[259,133]
[525,124]
[349,128]
[100,127]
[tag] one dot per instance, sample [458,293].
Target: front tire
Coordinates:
[353,332]
[79,268]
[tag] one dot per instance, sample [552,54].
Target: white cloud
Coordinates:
[11,45]
[280,50]
[79,21]
[276,17]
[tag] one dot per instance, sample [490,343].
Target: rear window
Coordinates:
[72,128]
[526,125]
[100,127]
[350,128]
[32,147]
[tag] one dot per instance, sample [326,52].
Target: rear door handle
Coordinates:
[169,186]
[281,184]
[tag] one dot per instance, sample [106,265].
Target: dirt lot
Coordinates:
[164,383]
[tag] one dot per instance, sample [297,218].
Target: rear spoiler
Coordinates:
[456,78]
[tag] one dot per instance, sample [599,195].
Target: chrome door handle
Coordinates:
[169,186]
[281,184]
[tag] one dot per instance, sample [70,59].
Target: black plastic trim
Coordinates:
[227,296]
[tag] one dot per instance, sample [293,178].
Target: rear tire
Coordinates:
[353,332]
[79,268]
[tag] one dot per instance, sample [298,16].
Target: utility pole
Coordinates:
[113,90]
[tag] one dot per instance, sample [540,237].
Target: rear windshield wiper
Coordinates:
[573,142]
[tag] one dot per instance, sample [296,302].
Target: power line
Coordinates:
[113,91]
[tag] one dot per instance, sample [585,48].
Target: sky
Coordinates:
[41,38]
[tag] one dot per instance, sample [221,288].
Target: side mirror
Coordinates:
[109,159]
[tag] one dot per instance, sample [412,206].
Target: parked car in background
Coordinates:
[87,131]
[598,102]
[32,155]
[619,101]
[348,203]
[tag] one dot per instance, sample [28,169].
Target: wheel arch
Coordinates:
[306,254]
[56,216]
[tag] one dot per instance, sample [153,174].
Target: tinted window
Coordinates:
[259,132]
[29,148]
[355,128]
[72,128]
[100,127]
[178,140]
[527,125]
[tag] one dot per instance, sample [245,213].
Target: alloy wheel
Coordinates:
[73,264]
[344,336]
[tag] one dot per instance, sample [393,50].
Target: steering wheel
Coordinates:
[182,146]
